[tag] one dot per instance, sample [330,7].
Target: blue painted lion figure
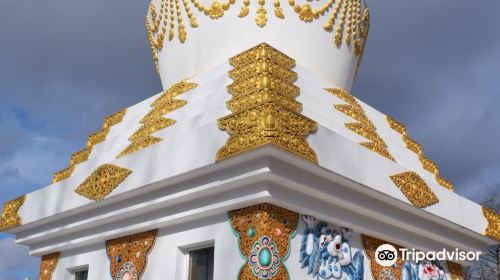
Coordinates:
[326,254]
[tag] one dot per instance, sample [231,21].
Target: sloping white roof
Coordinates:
[189,147]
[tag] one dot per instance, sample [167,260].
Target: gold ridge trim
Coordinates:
[102,181]
[48,264]
[264,109]
[415,189]
[493,228]
[364,126]
[414,146]
[93,139]
[10,215]
[154,121]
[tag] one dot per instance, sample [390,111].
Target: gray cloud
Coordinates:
[15,262]
[434,66]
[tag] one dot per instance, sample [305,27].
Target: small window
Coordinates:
[81,275]
[201,264]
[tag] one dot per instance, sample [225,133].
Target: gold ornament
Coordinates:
[48,264]
[455,270]
[264,107]
[93,139]
[102,181]
[493,228]
[154,120]
[412,145]
[260,220]
[133,249]
[415,189]
[363,126]
[10,215]
[370,245]
[348,12]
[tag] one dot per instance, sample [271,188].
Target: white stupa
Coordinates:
[255,162]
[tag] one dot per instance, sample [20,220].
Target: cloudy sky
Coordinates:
[65,64]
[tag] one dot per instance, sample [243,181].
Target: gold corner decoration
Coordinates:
[263,106]
[154,121]
[412,145]
[128,254]
[93,139]
[348,20]
[48,264]
[102,181]
[363,126]
[415,189]
[268,226]
[493,228]
[10,213]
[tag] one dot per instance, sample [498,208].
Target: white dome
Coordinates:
[198,36]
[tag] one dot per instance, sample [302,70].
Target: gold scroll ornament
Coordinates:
[493,228]
[412,145]
[93,139]
[363,126]
[415,189]
[10,215]
[48,264]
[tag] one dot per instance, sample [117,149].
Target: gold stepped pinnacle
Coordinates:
[264,109]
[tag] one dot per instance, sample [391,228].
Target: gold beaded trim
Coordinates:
[352,27]
[93,139]
[48,264]
[102,181]
[252,223]
[412,145]
[132,249]
[264,107]
[10,215]
[493,228]
[415,189]
[364,126]
[154,121]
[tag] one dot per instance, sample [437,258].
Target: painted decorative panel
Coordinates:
[93,139]
[128,255]
[264,232]
[48,265]
[325,252]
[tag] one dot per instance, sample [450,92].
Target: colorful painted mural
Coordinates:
[325,252]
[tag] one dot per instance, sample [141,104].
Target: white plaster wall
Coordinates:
[94,257]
